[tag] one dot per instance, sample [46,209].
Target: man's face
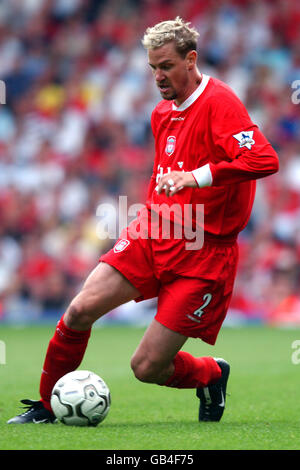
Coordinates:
[171,72]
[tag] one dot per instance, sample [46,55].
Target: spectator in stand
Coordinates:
[75,133]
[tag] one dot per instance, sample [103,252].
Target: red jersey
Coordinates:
[211,127]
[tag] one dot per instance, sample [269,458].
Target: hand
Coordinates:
[175,181]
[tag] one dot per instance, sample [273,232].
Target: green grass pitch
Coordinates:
[262,412]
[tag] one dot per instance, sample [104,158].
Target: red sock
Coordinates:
[193,372]
[64,354]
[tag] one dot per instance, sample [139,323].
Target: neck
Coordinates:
[194,85]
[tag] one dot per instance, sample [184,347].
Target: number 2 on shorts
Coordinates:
[206,300]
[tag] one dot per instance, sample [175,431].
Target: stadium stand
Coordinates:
[75,133]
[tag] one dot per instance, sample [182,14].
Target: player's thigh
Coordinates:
[157,348]
[194,307]
[104,289]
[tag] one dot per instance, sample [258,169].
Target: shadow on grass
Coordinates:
[180,426]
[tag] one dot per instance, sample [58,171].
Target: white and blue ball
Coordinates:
[80,398]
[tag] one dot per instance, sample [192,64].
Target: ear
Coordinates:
[191,59]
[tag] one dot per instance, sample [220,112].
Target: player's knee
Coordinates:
[77,316]
[145,370]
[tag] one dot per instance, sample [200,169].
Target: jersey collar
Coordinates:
[192,98]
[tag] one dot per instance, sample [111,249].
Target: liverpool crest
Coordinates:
[121,245]
[170,146]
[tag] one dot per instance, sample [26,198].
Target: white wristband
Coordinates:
[203,176]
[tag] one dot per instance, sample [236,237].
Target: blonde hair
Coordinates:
[184,37]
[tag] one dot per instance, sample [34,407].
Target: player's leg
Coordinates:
[105,289]
[187,307]
[152,361]
[159,359]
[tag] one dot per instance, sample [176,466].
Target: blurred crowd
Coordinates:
[75,133]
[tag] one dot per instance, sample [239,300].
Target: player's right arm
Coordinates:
[153,182]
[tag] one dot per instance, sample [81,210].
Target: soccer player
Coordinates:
[208,154]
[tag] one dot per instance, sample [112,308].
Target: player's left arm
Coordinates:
[242,151]
[175,181]
[247,156]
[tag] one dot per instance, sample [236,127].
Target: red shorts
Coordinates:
[193,288]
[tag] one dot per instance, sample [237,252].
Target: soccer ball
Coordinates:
[80,398]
